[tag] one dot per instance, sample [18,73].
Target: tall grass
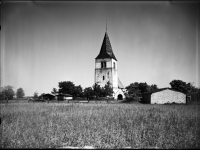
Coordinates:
[42,125]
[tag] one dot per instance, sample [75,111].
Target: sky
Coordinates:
[46,42]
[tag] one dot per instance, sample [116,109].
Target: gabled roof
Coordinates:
[120,85]
[66,95]
[48,94]
[158,90]
[106,49]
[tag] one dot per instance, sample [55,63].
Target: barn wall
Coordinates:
[168,96]
[146,98]
[195,96]
[59,97]
[48,97]
[68,97]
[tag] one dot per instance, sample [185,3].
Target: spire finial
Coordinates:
[106,25]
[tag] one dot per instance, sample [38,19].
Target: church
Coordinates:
[106,69]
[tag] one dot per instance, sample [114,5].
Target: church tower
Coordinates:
[106,68]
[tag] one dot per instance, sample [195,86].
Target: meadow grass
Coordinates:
[42,125]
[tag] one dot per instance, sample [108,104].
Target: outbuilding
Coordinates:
[193,96]
[64,97]
[48,96]
[164,96]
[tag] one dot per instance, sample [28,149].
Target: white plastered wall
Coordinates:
[114,74]
[117,92]
[168,96]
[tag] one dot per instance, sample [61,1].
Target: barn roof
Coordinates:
[48,94]
[66,95]
[106,49]
[162,90]
[120,85]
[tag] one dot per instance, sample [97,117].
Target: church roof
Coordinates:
[106,49]
[120,85]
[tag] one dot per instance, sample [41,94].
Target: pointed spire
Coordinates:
[106,49]
[106,25]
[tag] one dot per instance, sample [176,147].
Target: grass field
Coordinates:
[54,125]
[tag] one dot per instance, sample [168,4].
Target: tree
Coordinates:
[183,86]
[7,92]
[88,92]
[66,87]
[97,90]
[20,93]
[41,96]
[136,89]
[154,87]
[35,95]
[1,93]
[54,91]
[132,91]
[78,91]
[107,90]
[191,87]
[144,87]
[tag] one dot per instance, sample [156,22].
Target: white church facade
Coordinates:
[106,69]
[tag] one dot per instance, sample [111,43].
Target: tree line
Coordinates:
[132,91]
[135,90]
[7,92]
[94,92]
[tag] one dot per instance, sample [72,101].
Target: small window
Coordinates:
[103,77]
[114,65]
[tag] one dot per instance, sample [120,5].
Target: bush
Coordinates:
[129,99]
[110,98]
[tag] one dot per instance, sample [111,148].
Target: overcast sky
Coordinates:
[44,43]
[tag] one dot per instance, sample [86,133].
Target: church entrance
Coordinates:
[120,97]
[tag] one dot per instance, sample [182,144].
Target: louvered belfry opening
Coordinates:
[103,64]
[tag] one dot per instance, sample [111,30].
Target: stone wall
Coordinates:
[103,75]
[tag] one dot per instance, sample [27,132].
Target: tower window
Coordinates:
[103,77]
[114,65]
[103,64]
